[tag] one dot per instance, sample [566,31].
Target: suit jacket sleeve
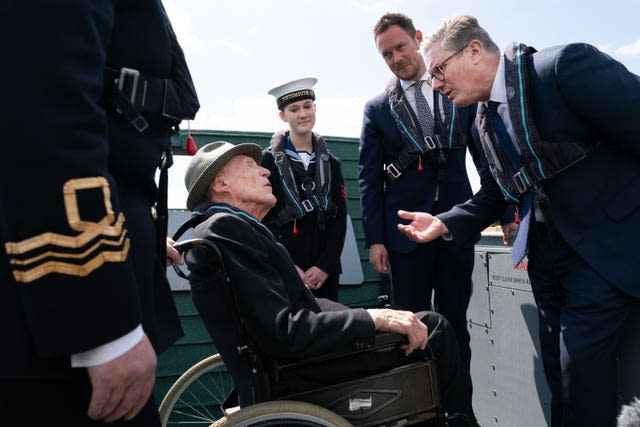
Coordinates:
[371,178]
[329,259]
[62,228]
[466,220]
[270,297]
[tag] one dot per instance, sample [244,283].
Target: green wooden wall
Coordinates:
[196,345]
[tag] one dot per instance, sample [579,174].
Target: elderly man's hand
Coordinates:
[402,322]
[173,256]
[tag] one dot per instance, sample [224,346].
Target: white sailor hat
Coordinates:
[294,91]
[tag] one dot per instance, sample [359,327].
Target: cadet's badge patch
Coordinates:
[96,243]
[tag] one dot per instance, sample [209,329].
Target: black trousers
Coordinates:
[454,383]
[441,270]
[59,402]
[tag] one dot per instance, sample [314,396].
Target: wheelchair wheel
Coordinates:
[196,397]
[283,413]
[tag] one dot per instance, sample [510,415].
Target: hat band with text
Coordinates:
[295,96]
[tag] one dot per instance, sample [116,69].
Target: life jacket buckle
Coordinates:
[127,83]
[307,205]
[393,171]
[431,144]
[312,186]
[520,181]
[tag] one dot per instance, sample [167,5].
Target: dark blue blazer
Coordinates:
[579,94]
[381,198]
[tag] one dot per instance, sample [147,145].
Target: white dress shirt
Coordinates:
[409,90]
[108,351]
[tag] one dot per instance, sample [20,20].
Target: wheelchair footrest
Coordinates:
[400,393]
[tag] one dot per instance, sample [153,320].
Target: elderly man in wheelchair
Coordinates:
[278,341]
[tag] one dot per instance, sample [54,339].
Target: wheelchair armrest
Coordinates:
[384,339]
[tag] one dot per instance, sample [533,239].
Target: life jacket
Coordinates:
[447,135]
[302,194]
[541,160]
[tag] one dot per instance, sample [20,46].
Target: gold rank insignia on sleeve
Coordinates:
[97,242]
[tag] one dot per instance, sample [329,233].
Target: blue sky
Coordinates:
[239,49]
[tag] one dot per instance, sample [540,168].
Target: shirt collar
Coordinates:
[405,84]
[499,88]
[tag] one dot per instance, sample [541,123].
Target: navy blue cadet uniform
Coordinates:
[78,262]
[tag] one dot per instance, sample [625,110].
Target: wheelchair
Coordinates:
[205,393]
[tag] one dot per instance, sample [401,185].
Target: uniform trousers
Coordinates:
[581,316]
[60,402]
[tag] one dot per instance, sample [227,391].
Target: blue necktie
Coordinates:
[425,116]
[519,248]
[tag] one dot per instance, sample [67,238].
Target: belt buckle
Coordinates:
[393,170]
[307,205]
[128,83]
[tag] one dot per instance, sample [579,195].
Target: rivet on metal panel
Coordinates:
[513,292]
[491,339]
[486,330]
[492,311]
[495,393]
[495,419]
[493,367]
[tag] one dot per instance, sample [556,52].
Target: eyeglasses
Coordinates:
[437,72]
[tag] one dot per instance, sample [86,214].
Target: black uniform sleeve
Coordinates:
[64,235]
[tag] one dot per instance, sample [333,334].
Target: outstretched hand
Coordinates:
[423,227]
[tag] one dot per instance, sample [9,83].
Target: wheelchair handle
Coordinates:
[186,245]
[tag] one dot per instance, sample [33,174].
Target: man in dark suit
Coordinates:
[579,105]
[407,164]
[84,302]
[230,192]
